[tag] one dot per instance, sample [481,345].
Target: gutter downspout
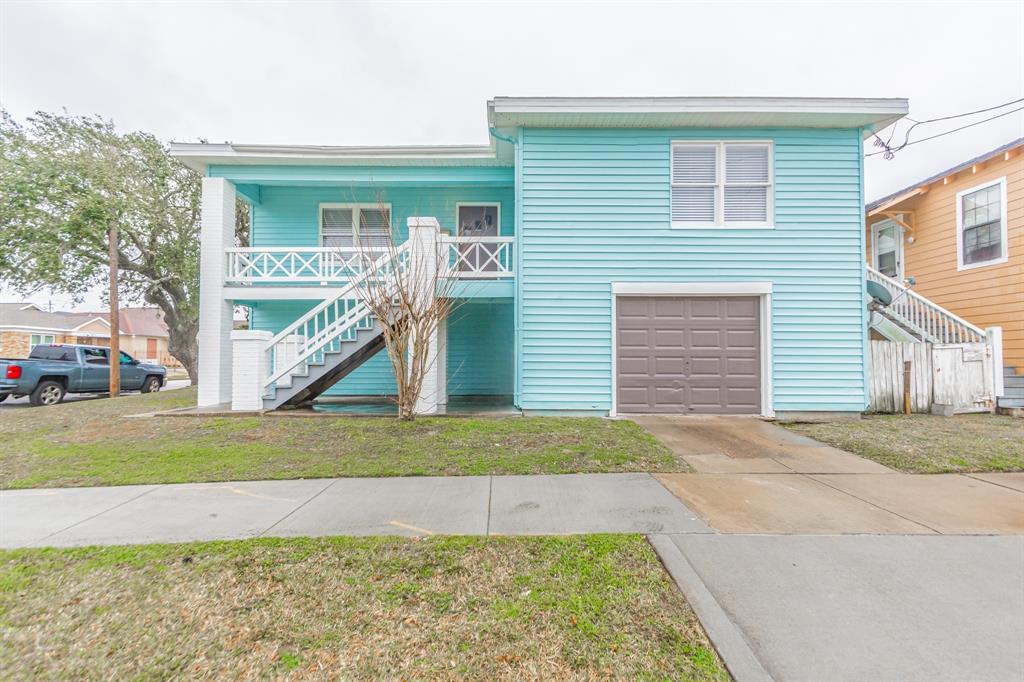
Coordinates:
[518,249]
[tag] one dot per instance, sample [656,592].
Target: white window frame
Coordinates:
[356,219]
[875,229]
[42,340]
[720,184]
[1004,232]
[477,204]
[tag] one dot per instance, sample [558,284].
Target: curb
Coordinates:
[725,635]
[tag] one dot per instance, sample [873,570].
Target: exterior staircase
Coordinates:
[327,343]
[911,317]
[1013,389]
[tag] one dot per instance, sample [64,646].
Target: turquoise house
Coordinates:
[681,255]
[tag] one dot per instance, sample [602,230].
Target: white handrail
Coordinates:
[325,323]
[932,320]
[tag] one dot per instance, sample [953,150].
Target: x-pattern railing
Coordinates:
[249,265]
[479,257]
[468,258]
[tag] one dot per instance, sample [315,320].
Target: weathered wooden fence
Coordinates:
[958,375]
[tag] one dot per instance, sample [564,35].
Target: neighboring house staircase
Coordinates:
[910,317]
[327,343]
[1013,389]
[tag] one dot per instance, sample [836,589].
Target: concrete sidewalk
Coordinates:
[464,505]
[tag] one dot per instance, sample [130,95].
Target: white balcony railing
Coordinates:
[328,264]
[479,257]
[468,258]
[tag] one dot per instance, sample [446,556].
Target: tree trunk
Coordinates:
[183,345]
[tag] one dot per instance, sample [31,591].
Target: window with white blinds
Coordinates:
[721,184]
[342,224]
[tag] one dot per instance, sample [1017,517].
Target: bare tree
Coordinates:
[408,288]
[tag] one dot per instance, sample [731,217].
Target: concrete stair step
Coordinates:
[1011,402]
[1013,391]
[1013,380]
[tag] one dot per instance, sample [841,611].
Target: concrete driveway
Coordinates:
[756,477]
[76,397]
[939,608]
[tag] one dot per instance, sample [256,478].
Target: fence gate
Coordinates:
[960,375]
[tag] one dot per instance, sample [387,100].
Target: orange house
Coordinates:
[960,235]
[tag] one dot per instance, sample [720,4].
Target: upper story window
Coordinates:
[721,184]
[981,225]
[342,224]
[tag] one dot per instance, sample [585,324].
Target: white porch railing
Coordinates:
[933,322]
[468,258]
[328,264]
[479,257]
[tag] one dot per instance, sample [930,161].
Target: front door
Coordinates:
[478,220]
[887,246]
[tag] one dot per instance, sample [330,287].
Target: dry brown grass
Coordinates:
[582,607]
[928,444]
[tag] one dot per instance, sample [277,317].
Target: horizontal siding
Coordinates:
[595,210]
[480,349]
[989,296]
[288,216]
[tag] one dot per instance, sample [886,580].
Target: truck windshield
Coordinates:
[53,353]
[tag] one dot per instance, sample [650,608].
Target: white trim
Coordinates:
[763,290]
[720,112]
[691,288]
[1004,240]
[720,184]
[476,204]
[875,228]
[355,219]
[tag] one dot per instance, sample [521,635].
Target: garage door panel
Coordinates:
[706,338]
[685,355]
[742,309]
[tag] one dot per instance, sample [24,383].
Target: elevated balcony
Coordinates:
[483,267]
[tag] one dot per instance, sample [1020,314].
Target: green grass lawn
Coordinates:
[582,607]
[95,443]
[928,444]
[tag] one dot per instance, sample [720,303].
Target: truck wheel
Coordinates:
[47,393]
[151,385]
[3,396]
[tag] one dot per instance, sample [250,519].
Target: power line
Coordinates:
[890,151]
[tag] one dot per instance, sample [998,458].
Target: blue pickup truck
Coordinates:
[54,370]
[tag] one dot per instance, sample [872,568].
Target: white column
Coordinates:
[215,313]
[249,368]
[424,260]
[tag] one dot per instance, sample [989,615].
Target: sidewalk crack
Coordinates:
[490,496]
[281,520]
[101,513]
[873,504]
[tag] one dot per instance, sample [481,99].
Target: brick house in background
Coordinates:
[23,325]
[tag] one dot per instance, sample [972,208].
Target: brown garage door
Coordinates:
[688,355]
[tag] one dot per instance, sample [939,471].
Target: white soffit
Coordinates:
[695,112]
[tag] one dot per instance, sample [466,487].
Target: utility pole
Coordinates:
[115,319]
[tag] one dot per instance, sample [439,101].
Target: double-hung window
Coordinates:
[721,184]
[981,225]
[343,224]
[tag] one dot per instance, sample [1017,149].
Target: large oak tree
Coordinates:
[65,179]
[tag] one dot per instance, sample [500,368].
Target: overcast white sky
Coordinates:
[420,73]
